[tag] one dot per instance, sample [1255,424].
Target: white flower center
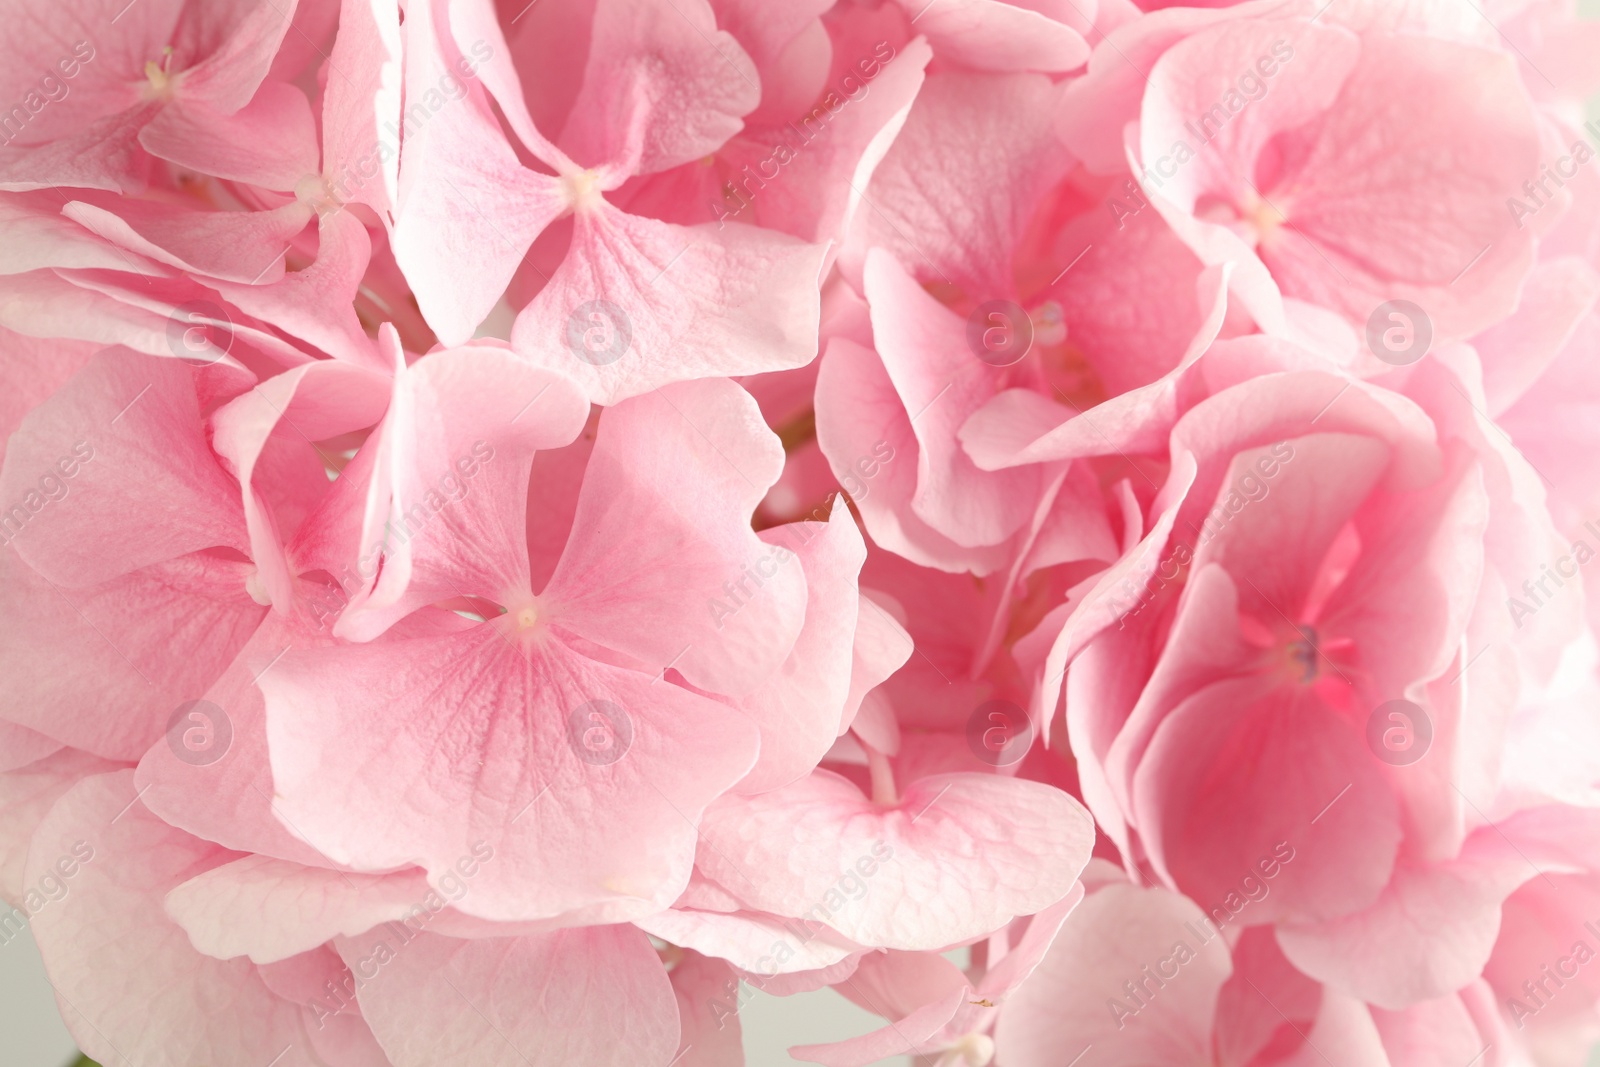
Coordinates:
[583,190]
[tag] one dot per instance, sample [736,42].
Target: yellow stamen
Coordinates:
[1267,219]
[161,81]
[583,189]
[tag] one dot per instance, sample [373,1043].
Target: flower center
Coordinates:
[973,1050]
[583,190]
[1049,324]
[314,191]
[160,80]
[1264,218]
[1303,655]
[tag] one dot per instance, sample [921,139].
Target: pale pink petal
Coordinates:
[27,793]
[311,403]
[882,647]
[801,707]
[104,668]
[314,303]
[669,489]
[708,1018]
[1077,1002]
[1430,932]
[954,193]
[467,209]
[129,429]
[992,35]
[956,857]
[444,511]
[270,142]
[941,381]
[270,909]
[698,81]
[1019,426]
[115,928]
[220,787]
[442,744]
[753,942]
[597,996]
[361,107]
[637,304]
[860,414]
[240,246]
[912,1033]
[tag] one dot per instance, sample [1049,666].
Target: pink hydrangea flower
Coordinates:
[1069,524]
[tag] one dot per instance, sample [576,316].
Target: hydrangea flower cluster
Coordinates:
[525,523]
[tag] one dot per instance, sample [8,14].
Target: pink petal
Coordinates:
[860,415]
[129,428]
[697,80]
[696,592]
[1132,979]
[467,209]
[105,667]
[361,108]
[882,647]
[314,303]
[708,996]
[245,246]
[311,403]
[956,858]
[910,1034]
[760,944]
[597,996]
[227,795]
[1430,933]
[476,736]
[271,909]
[27,793]
[637,304]
[270,142]
[800,708]
[115,928]
[941,382]
[991,35]
[937,203]
[444,508]
[1230,785]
